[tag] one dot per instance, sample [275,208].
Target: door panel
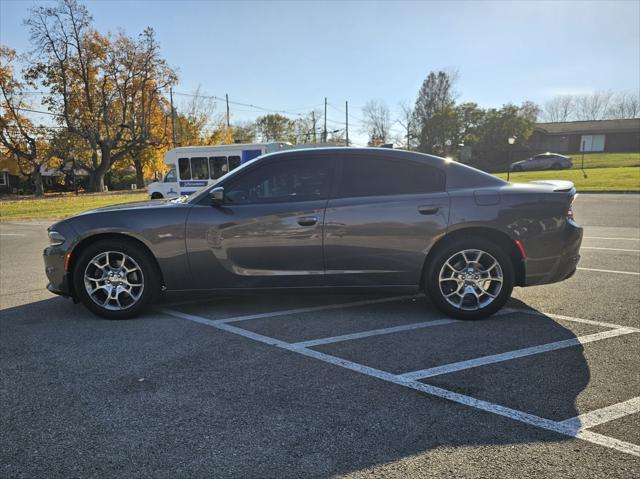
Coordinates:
[382,240]
[253,246]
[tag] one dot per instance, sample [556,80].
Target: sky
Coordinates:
[291,55]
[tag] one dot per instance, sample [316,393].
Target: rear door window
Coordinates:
[370,176]
[234,162]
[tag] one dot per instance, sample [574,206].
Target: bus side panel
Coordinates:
[248,155]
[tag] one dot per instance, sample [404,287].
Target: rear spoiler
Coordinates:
[558,185]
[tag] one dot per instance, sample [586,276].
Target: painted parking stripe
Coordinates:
[479,404]
[611,249]
[603,415]
[518,353]
[562,317]
[394,329]
[11,234]
[614,239]
[633,273]
[310,309]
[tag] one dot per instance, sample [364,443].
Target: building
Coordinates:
[8,181]
[575,136]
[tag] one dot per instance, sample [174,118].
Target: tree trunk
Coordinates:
[37,182]
[96,178]
[139,173]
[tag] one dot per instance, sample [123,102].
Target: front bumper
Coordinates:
[560,258]
[54,267]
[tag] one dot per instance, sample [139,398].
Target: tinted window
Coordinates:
[376,177]
[282,181]
[218,166]
[234,162]
[199,168]
[185,168]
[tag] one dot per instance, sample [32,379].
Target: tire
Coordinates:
[141,268]
[471,305]
[156,196]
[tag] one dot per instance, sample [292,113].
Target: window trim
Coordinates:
[330,160]
[334,195]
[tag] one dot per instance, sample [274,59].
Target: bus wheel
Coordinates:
[156,196]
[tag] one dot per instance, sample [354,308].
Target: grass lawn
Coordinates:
[61,207]
[598,179]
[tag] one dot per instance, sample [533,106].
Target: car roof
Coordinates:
[551,154]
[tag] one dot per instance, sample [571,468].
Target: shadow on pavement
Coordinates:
[159,396]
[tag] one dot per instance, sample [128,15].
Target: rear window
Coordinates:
[365,176]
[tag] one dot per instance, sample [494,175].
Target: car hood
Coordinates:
[138,205]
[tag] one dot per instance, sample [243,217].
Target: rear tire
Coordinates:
[116,278]
[156,196]
[556,166]
[469,278]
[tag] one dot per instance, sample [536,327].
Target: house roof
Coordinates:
[595,126]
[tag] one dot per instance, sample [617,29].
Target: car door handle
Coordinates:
[428,209]
[308,220]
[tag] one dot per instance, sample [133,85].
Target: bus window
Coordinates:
[218,166]
[234,162]
[170,177]
[185,168]
[199,168]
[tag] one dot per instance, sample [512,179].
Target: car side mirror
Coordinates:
[217,195]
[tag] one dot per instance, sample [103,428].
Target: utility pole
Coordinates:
[227,97]
[346,109]
[324,132]
[173,118]
[313,119]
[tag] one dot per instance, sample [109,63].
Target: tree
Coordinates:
[624,105]
[406,121]
[376,120]
[559,108]
[244,132]
[592,106]
[275,127]
[23,140]
[436,96]
[105,90]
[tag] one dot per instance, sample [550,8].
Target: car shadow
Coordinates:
[162,396]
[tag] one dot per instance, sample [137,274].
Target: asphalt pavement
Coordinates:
[328,385]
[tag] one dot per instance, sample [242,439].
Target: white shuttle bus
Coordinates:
[193,167]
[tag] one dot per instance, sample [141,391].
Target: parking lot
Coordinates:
[297,385]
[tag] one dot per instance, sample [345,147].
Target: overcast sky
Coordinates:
[290,55]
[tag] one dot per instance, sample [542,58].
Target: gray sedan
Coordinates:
[543,161]
[346,218]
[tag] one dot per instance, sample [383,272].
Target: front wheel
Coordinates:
[156,196]
[115,279]
[470,278]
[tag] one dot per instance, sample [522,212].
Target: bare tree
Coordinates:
[592,106]
[624,105]
[559,108]
[376,119]
[406,121]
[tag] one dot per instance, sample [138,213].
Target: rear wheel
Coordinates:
[156,196]
[470,278]
[557,166]
[115,279]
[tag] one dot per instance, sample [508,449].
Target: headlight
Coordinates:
[55,238]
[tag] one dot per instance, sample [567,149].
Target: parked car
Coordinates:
[334,217]
[543,161]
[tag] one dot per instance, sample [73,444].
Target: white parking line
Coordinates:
[11,234]
[394,329]
[609,271]
[576,320]
[601,416]
[518,353]
[479,404]
[611,249]
[310,309]
[615,239]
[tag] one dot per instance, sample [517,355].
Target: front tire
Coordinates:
[469,278]
[156,196]
[115,279]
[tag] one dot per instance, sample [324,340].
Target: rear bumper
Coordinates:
[560,258]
